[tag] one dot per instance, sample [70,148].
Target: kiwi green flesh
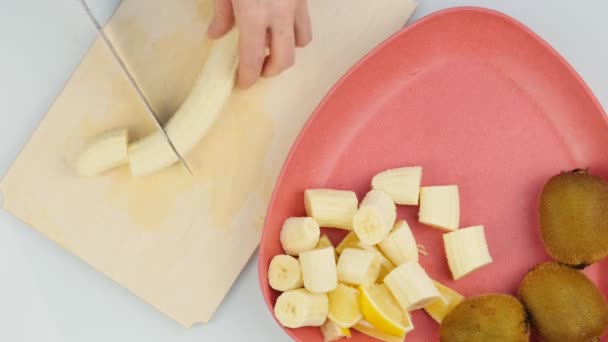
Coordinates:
[563,304]
[573,212]
[489,317]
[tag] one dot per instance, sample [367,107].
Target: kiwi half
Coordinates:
[563,304]
[489,317]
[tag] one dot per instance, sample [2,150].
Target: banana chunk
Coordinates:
[466,250]
[299,234]
[319,270]
[440,207]
[375,217]
[105,152]
[411,286]
[352,241]
[440,308]
[400,245]
[358,267]
[301,308]
[284,273]
[402,184]
[331,208]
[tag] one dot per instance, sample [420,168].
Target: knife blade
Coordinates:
[132,80]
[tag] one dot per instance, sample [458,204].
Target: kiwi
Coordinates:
[573,212]
[486,318]
[563,304]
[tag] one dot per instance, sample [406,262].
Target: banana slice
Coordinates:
[400,245]
[440,207]
[440,308]
[411,286]
[466,250]
[368,329]
[301,308]
[195,116]
[319,270]
[358,267]
[344,306]
[284,273]
[299,234]
[375,217]
[332,332]
[105,152]
[402,184]
[331,208]
[352,241]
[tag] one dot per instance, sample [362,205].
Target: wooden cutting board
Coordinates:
[179,241]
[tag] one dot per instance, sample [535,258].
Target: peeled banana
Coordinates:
[375,217]
[332,332]
[299,234]
[319,270]
[402,184]
[331,208]
[411,286]
[344,306]
[440,308]
[196,114]
[466,250]
[358,267]
[284,273]
[440,207]
[400,245]
[301,308]
[107,151]
[352,241]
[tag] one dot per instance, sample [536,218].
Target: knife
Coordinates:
[132,81]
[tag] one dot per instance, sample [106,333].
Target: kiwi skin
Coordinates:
[573,213]
[563,304]
[489,317]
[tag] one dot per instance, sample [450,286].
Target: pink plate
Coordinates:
[477,100]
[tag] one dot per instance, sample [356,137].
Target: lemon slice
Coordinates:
[381,310]
[344,306]
[333,332]
[368,329]
[440,308]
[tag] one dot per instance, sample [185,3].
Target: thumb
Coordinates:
[223,19]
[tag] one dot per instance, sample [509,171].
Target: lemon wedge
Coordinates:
[440,308]
[381,310]
[368,329]
[344,306]
[333,332]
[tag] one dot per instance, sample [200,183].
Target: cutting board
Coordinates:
[175,240]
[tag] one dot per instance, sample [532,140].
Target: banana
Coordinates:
[299,234]
[195,116]
[466,250]
[319,270]
[375,217]
[368,329]
[400,245]
[358,267]
[344,306]
[107,151]
[440,308]
[301,308]
[411,286]
[331,208]
[440,207]
[402,184]
[352,241]
[332,332]
[284,273]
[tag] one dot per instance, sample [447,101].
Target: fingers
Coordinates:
[302,26]
[252,46]
[223,19]
[282,49]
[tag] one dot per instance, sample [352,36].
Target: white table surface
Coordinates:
[48,295]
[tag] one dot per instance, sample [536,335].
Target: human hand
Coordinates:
[280,25]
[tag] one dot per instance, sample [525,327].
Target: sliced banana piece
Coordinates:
[440,207]
[402,184]
[466,250]
[400,245]
[358,267]
[299,234]
[375,217]
[331,208]
[301,308]
[344,306]
[411,286]
[104,152]
[284,273]
[352,241]
[197,113]
[440,308]
[332,332]
[319,270]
